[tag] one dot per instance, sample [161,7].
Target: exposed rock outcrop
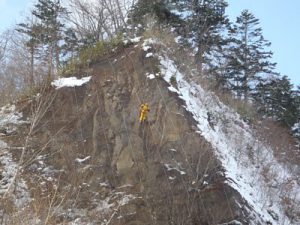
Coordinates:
[161,172]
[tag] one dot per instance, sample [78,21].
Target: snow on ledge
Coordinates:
[150,76]
[148,55]
[172,89]
[70,82]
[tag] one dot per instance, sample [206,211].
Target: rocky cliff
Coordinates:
[87,159]
[88,151]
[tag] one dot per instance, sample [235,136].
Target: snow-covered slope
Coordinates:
[9,119]
[270,188]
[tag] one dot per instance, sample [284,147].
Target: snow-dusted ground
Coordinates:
[9,115]
[250,165]
[8,169]
[244,157]
[106,210]
[9,118]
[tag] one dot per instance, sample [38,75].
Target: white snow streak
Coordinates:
[233,140]
[82,160]
[8,170]
[150,76]
[149,54]
[172,89]
[9,117]
[175,167]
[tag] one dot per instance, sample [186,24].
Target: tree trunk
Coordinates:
[31,76]
[50,64]
[57,61]
[246,75]
[200,59]
[245,87]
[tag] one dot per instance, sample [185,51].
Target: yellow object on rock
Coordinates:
[144,109]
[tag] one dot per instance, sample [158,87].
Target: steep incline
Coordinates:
[270,187]
[88,153]
[89,160]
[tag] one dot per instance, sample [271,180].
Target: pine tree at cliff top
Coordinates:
[33,31]
[248,57]
[278,100]
[206,21]
[49,14]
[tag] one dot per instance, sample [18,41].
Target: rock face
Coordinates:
[109,168]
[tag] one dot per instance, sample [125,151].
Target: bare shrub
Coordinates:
[99,20]
[280,139]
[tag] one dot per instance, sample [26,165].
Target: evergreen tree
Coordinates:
[160,9]
[296,126]
[276,99]
[50,14]
[33,31]
[206,21]
[71,44]
[262,95]
[248,57]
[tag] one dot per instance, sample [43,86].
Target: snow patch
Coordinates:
[9,115]
[9,168]
[146,48]
[149,41]
[135,40]
[106,208]
[149,54]
[172,89]
[150,76]
[70,82]
[147,44]
[176,168]
[82,160]
[103,184]
[3,145]
[177,39]
[126,199]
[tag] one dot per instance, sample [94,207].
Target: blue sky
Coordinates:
[280,21]
[11,11]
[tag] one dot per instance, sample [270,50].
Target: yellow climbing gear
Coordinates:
[144,109]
